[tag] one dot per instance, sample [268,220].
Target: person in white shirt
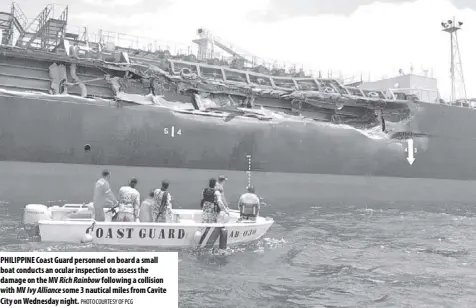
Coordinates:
[129,203]
[103,196]
[249,205]
[145,211]
[163,204]
[220,187]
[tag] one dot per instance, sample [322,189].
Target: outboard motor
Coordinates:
[32,214]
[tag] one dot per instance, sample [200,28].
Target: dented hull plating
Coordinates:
[57,130]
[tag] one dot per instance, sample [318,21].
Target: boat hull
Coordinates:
[54,129]
[166,235]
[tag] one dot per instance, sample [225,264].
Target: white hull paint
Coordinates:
[182,233]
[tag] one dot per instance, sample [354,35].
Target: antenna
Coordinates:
[451,27]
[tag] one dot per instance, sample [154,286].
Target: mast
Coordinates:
[456,66]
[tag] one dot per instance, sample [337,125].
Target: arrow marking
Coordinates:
[410,150]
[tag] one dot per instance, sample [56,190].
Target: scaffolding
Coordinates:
[44,32]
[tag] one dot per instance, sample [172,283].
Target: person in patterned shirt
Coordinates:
[129,203]
[163,204]
[212,203]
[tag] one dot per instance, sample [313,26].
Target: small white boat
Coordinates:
[73,223]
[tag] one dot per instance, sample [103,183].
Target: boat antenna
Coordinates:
[451,27]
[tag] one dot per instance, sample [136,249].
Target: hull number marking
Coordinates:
[244,233]
[172,131]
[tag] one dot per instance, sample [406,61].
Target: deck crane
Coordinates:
[241,59]
[206,50]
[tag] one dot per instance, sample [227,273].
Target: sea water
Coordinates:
[337,241]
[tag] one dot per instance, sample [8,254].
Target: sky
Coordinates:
[356,37]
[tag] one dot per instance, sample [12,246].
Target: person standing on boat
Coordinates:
[212,203]
[249,204]
[129,202]
[146,209]
[102,196]
[163,204]
[220,187]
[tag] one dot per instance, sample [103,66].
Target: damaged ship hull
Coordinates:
[98,103]
[71,130]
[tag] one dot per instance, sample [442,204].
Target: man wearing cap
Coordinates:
[102,196]
[129,203]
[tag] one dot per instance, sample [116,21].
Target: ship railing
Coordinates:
[51,11]
[64,14]
[238,52]
[253,60]
[352,79]
[19,15]
[35,24]
[111,39]
[463,103]
[31,33]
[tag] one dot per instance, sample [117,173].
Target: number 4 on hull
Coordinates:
[172,131]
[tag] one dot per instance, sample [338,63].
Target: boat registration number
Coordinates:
[244,233]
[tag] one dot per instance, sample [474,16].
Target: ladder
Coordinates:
[45,31]
[8,21]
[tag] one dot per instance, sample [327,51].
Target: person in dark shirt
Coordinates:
[212,203]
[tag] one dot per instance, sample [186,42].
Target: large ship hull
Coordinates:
[55,129]
[280,121]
